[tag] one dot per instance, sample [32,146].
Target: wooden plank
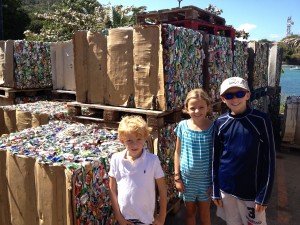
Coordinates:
[6,101]
[290,145]
[24,90]
[183,13]
[111,115]
[155,121]
[64,92]
[9,95]
[121,109]
[100,122]
[6,89]
[63,95]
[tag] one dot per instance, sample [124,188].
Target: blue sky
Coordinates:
[263,19]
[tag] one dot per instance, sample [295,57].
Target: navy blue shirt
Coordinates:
[244,156]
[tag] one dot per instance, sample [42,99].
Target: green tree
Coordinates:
[291,49]
[65,17]
[68,16]
[121,16]
[265,41]
[242,34]
[34,7]
[15,19]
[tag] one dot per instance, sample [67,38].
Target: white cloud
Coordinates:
[247,27]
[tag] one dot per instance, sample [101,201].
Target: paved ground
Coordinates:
[284,208]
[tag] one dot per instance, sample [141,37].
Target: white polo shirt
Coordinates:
[136,184]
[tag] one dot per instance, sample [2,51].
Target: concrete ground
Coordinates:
[284,207]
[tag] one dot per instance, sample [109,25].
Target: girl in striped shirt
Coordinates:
[192,159]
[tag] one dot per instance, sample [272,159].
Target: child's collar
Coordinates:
[142,156]
[240,115]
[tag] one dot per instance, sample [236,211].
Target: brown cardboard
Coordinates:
[148,68]
[39,119]
[97,67]
[7,63]
[2,62]
[53,201]
[4,209]
[120,88]
[10,123]
[2,122]
[80,65]
[68,66]
[23,120]
[21,190]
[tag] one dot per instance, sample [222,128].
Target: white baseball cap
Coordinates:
[233,82]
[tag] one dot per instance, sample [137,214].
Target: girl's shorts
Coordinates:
[195,189]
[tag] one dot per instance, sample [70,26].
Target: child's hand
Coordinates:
[179,186]
[209,190]
[159,220]
[260,208]
[125,222]
[218,202]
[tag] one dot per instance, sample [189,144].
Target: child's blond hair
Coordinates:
[197,94]
[133,124]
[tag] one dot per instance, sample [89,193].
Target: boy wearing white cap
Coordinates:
[243,158]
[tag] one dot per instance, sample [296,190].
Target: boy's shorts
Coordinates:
[135,222]
[237,212]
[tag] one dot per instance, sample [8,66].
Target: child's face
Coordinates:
[237,105]
[134,144]
[197,109]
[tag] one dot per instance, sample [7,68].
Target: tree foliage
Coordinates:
[242,34]
[64,18]
[264,41]
[68,16]
[213,10]
[15,19]
[291,49]
[32,6]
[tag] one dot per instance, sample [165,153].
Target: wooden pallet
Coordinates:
[177,14]
[63,95]
[110,116]
[8,95]
[289,146]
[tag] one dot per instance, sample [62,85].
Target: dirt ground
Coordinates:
[284,207]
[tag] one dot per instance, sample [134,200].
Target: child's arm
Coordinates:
[218,202]
[267,172]
[260,208]
[162,189]
[177,176]
[217,151]
[113,193]
[216,197]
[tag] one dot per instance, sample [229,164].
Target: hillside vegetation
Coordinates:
[291,49]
